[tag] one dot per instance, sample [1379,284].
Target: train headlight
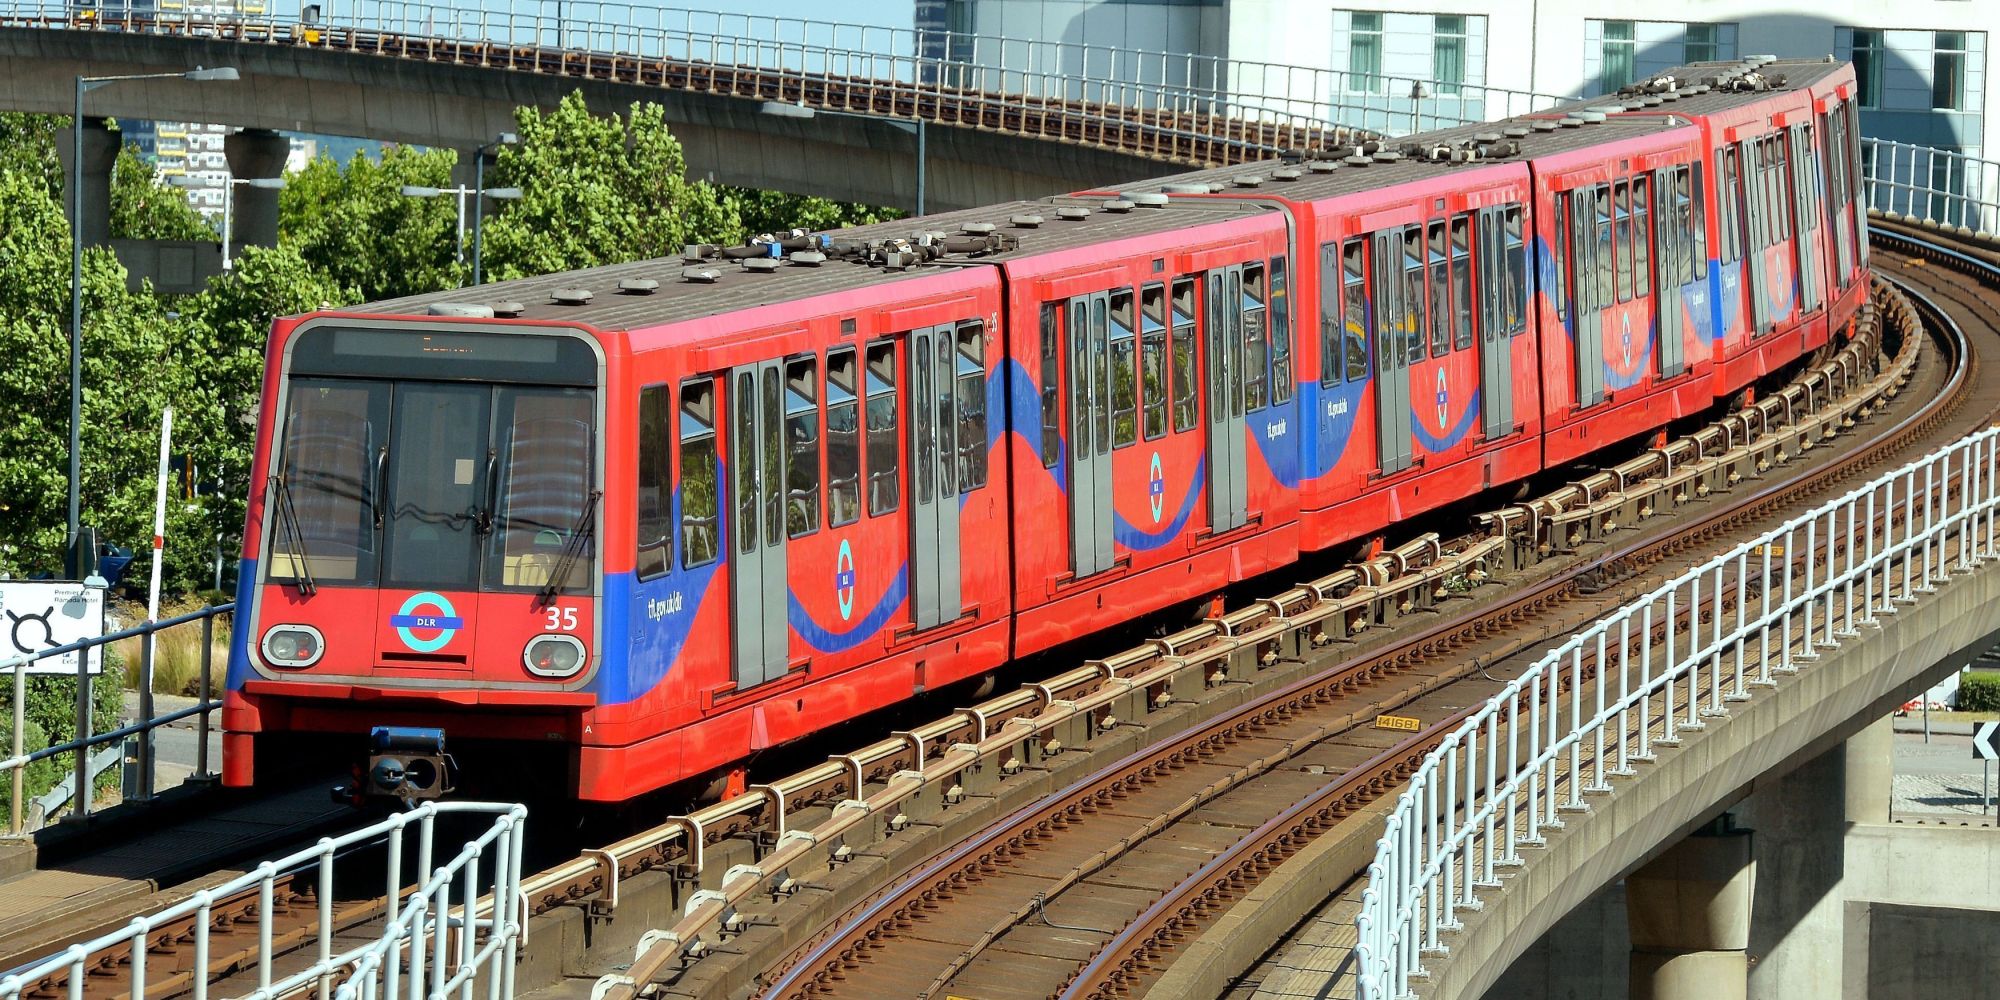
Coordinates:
[293,647]
[553,656]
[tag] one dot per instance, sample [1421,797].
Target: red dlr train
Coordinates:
[620,528]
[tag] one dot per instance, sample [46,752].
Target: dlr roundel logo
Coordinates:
[426,622]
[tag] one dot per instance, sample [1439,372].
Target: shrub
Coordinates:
[1979,691]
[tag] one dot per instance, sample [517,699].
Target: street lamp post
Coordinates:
[228,204]
[83,85]
[915,126]
[479,203]
[462,192]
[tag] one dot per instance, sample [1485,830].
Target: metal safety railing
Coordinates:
[1591,707]
[89,663]
[1924,183]
[432,942]
[592,38]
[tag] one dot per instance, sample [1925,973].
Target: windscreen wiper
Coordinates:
[293,536]
[559,577]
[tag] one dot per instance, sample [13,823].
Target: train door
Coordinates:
[1805,208]
[1833,179]
[1392,358]
[1496,351]
[1090,434]
[1669,253]
[1590,251]
[1228,460]
[934,552]
[759,630]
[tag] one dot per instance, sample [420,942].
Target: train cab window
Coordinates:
[1124,371]
[1281,334]
[1182,348]
[884,455]
[801,446]
[1515,288]
[843,440]
[546,508]
[1051,387]
[1438,262]
[333,445]
[656,526]
[700,486]
[1354,304]
[1329,314]
[1621,239]
[1642,238]
[1461,282]
[1153,358]
[972,446]
[1607,282]
[1410,321]
[1256,338]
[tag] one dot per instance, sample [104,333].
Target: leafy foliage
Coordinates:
[144,209]
[1978,691]
[352,223]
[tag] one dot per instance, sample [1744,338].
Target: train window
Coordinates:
[1098,435]
[1437,265]
[972,443]
[802,446]
[1461,282]
[1256,338]
[1607,284]
[1491,273]
[884,455]
[1621,251]
[1411,315]
[1153,358]
[843,440]
[1051,388]
[333,443]
[1354,302]
[1281,334]
[745,395]
[773,428]
[656,526]
[941,430]
[1516,285]
[1726,227]
[700,484]
[1642,238]
[1698,219]
[1183,348]
[1124,371]
[1559,286]
[1329,314]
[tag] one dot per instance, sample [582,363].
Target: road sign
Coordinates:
[1986,741]
[1402,722]
[39,615]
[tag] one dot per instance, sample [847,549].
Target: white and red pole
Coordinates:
[153,603]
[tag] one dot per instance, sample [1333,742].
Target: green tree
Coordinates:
[759,211]
[142,208]
[352,223]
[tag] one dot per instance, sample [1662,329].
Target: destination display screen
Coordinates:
[548,358]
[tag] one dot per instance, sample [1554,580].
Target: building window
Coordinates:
[1948,71]
[1448,53]
[1364,53]
[1704,43]
[1619,50]
[1867,58]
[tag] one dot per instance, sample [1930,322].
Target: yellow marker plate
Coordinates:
[1402,722]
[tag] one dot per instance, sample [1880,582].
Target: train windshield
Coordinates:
[420,482]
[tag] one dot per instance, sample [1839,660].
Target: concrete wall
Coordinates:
[1932,952]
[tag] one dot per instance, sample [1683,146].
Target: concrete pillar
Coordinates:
[1871,772]
[1689,915]
[255,153]
[100,153]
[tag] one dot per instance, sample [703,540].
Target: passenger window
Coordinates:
[1607,284]
[1411,318]
[1440,289]
[1559,287]
[656,526]
[745,396]
[1051,388]
[1515,287]
[1725,203]
[1183,348]
[802,446]
[972,444]
[1329,314]
[1281,334]
[843,440]
[1124,371]
[1621,239]
[699,479]
[772,427]
[1354,301]
[1256,338]
[1153,358]
[1461,282]
[941,450]
[1642,237]
[884,459]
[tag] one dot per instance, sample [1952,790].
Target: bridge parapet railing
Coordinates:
[1033,73]
[1924,183]
[1640,677]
